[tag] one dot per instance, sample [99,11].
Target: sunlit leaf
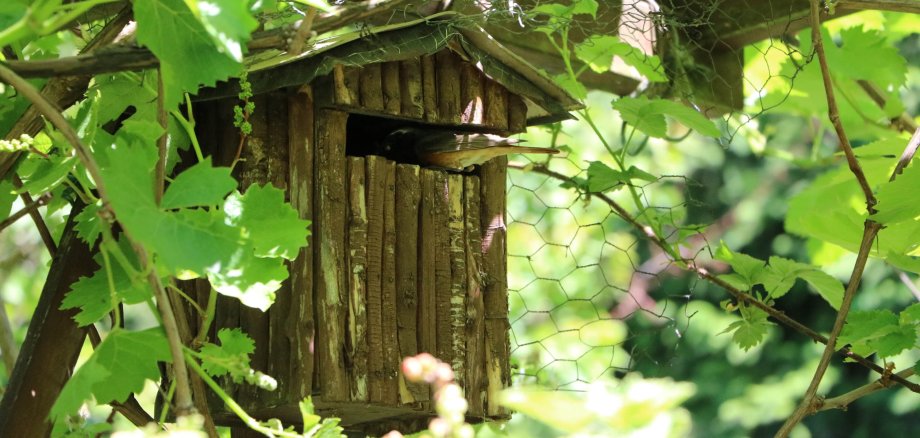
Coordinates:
[648,116]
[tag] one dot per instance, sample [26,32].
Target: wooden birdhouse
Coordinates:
[402,259]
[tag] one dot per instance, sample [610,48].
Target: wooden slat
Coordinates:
[430,88]
[329,253]
[356,348]
[376,197]
[471,94]
[448,71]
[345,85]
[391,98]
[495,283]
[517,114]
[300,325]
[475,331]
[371,88]
[496,105]
[427,296]
[408,197]
[442,272]
[410,87]
[279,346]
[458,279]
[388,324]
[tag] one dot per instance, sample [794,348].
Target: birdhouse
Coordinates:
[402,259]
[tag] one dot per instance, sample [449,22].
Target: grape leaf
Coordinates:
[896,341]
[897,200]
[875,330]
[274,227]
[93,296]
[598,52]
[187,54]
[602,178]
[228,22]
[647,116]
[827,286]
[750,330]
[747,267]
[199,185]
[118,367]
[910,315]
[88,226]
[573,86]
[231,356]
[588,7]
[7,196]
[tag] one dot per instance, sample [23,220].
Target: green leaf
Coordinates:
[118,367]
[602,178]
[572,86]
[7,196]
[747,267]
[273,226]
[910,315]
[229,23]
[899,339]
[647,116]
[780,276]
[598,52]
[749,331]
[587,7]
[897,200]
[88,226]
[231,356]
[188,56]
[95,299]
[199,185]
[876,331]
[827,286]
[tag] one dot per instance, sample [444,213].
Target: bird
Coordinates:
[439,148]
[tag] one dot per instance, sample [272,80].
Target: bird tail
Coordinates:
[505,150]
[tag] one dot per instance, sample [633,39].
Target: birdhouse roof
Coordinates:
[546,101]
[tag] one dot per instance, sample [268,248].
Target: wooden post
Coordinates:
[458,279]
[430,89]
[495,283]
[408,197]
[471,92]
[496,105]
[371,89]
[376,198]
[345,85]
[517,114]
[300,327]
[391,98]
[442,274]
[356,348]
[329,252]
[388,324]
[475,332]
[448,68]
[427,297]
[410,86]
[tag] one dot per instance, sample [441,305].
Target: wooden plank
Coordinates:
[430,88]
[442,274]
[517,113]
[279,345]
[392,101]
[300,325]
[471,94]
[329,253]
[427,297]
[458,281]
[496,105]
[371,88]
[356,348]
[345,85]
[495,282]
[376,181]
[410,86]
[408,198]
[475,330]
[448,71]
[388,323]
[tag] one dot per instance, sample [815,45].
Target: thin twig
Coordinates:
[842,401]
[909,284]
[902,122]
[907,155]
[40,224]
[46,108]
[833,112]
[28,208]
[736,293]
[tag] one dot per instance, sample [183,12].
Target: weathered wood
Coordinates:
[430,88]
[376,198]
[329,252]
[408,197]
[388,323]
[475,331]
[300,326]
[410,87]
[345,85]
[279,348]
[356,348]
[458,281]
[517,113]
[442,272]
[427,292]
[471,92]
[52,344]
[448,70]
[495,283]
[496,105]
[392,101]
[371,88]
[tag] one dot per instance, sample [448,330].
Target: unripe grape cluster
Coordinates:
[448,397]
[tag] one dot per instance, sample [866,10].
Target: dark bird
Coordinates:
[449,150]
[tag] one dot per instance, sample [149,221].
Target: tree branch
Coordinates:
[27,209]
[46,108]
[43,231]
[842,401]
